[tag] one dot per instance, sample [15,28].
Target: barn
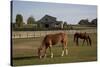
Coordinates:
[50,22]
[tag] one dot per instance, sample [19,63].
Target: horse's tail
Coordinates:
[89,40]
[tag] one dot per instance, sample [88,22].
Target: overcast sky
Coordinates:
[71,13]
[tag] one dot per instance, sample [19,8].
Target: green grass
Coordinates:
[25,52]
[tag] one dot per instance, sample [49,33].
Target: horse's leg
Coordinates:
[77,41]
[50,47]
[45,52]
[40,57]
[64,49]
[87,41]
[83,42]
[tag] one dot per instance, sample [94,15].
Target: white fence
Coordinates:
[28,34]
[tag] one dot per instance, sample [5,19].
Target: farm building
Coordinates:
[50,22]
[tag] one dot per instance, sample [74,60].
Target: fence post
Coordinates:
[34,35]
[14,35]
[27,35]
[19,35]
[40,34]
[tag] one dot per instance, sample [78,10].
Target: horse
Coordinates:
[83,36]
[50,40]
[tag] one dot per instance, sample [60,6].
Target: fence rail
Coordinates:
[28,34]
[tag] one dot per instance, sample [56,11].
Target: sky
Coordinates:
[70,13]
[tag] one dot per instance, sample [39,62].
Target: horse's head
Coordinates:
[76,35]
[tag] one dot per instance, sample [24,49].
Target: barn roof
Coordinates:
[50,16]
[52,19]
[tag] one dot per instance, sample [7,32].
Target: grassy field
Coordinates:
[25,51]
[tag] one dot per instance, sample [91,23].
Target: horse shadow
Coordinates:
[22,58]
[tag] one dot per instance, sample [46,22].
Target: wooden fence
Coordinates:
[34,34]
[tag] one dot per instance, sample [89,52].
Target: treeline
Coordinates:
[86,22]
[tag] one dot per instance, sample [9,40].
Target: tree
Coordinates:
[30,20]
[12,26]
[84,22]
[65,23]
[19,20]
[94,21]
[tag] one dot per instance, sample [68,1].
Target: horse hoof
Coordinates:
[40,57]
[51,56]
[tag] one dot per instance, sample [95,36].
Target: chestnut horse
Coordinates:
[49,41]
[83,36]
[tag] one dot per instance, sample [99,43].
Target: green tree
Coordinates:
[94,21]
[65,23]
[30,20]
[19,20]
[84,22]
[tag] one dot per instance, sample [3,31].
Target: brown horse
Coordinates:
[83,36]
[49,41]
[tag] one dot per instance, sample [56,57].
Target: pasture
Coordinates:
[24,51]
